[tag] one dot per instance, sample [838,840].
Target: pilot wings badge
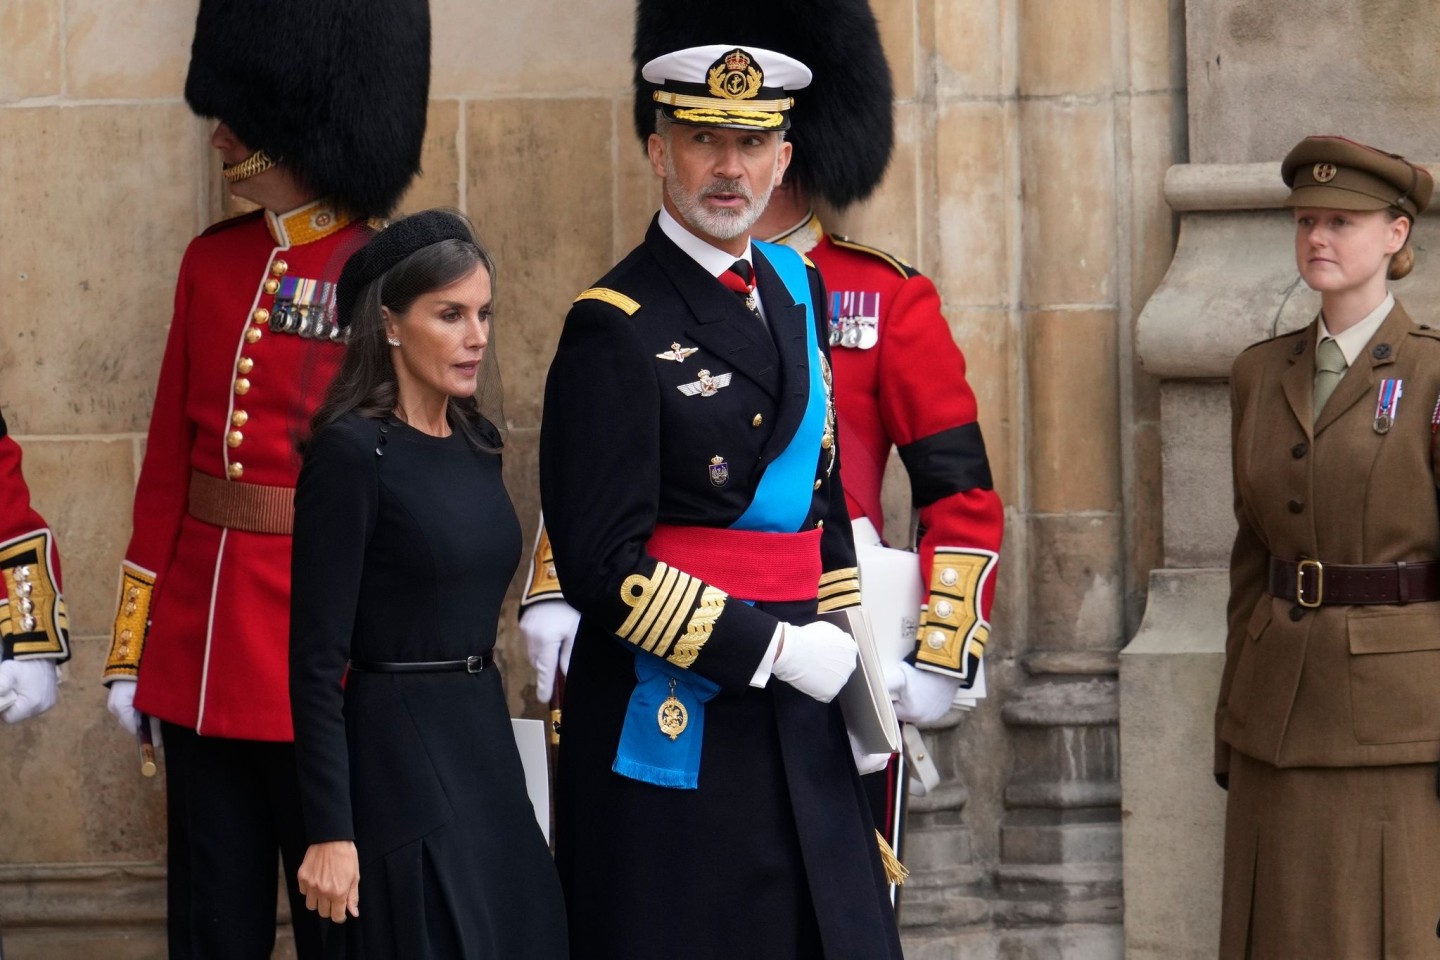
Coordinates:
[706,386]
[677,353]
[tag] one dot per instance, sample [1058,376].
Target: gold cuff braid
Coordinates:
[34,622]
[132,622]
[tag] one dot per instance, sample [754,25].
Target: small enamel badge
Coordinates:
[677,353]
[719,470]
[706,386]
[1388,404]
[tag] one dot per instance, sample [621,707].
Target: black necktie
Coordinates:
[739,279]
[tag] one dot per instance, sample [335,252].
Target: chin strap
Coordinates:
[258,162]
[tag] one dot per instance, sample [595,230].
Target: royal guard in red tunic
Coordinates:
[899,376]
[34,626]
[202,628]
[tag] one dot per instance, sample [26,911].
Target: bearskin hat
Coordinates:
[335,89]
[843,125]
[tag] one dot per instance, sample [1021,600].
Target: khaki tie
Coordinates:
[1330,366]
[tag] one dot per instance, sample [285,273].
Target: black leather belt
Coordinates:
[1311,583]
[469,665]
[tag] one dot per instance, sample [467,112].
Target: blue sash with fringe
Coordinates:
[780,505]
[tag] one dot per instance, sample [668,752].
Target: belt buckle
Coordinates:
[474,664]
[1319,573]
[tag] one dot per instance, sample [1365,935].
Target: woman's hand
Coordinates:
[330,879]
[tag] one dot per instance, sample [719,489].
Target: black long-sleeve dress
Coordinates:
[404,545]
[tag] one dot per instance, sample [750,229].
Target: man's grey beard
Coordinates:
[720,224]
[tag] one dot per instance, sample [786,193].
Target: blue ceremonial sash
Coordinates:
[647,753]
[780,505]
[787,486]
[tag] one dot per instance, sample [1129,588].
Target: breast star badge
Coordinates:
[706,386]
[677,353]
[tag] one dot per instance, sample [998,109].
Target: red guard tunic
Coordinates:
[34,624]
[203,615]
[900,381]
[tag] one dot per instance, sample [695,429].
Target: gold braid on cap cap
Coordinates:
[258,162]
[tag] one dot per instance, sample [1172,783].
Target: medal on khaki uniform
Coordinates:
[1388,404]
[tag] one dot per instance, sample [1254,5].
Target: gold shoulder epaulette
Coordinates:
[615,298]
[234,221]
[904,269]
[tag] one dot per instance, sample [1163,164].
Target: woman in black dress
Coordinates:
[404,544]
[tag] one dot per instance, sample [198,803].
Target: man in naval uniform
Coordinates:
[899,376]
[34,625]
[708,806]
[201,631]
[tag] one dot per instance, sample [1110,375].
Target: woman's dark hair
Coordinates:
[366,383]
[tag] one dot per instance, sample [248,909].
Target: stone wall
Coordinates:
[1032,139]
[1260,77]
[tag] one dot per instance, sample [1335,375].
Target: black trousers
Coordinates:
[232,805]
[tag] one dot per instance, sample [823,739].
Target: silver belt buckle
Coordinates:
[1318,573]
[474,664]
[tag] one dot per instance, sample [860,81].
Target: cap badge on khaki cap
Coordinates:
[1343,174]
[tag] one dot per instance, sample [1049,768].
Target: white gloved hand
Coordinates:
[121,704]
[920,696]
[549,630]
[816,659]
[28,686]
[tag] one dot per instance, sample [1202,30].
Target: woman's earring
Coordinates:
[393,341]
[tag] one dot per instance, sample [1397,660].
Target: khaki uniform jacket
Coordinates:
[1338,685]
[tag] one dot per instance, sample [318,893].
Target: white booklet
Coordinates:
[530,739]
[865,700]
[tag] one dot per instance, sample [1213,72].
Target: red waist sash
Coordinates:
[746,564]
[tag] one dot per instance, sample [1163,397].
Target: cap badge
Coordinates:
[1324,172]
[735,76]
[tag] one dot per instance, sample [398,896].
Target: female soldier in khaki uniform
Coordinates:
[1328,723]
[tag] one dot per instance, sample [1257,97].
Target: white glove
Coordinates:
[549,630]
[28,686]
[816,659]
[920,696]
[121,704]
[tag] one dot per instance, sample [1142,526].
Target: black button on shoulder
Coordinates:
[1299,450]
[1296,506]
[1381,351]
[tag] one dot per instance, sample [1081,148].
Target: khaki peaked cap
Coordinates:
[1344,175]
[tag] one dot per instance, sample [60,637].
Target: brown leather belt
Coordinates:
[242,506]
[1311,583]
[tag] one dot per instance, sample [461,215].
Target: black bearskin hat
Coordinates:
[337,90]
[843,126]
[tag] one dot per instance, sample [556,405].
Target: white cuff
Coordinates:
[767,662]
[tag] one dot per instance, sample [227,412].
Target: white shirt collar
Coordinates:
[713,259]
[1352,341]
